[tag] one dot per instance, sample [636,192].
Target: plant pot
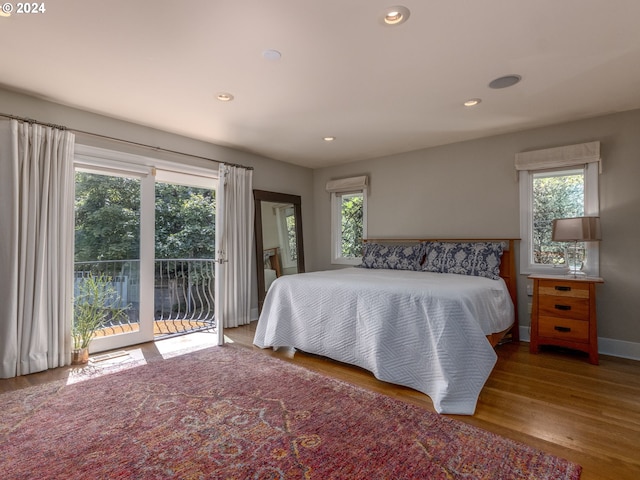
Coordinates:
[80,356]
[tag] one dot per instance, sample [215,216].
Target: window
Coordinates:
[286,220]
[549,194]
[348,226]
[348,219]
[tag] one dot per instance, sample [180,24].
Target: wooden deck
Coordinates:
[160,327]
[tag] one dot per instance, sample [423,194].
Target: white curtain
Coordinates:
[36,253]
[234,245]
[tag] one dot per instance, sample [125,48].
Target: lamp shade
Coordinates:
[577,229]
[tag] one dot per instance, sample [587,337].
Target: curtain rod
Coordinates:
[129,142]
[32,121]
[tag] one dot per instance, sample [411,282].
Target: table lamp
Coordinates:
[576,229]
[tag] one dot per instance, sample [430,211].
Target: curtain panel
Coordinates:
[36,254]
[234,245]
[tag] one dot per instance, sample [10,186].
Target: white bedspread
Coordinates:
[422,330]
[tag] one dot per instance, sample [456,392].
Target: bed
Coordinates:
[409,322]
[272,270]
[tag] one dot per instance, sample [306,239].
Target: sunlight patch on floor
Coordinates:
[105,364]
[109,356]
[172,347]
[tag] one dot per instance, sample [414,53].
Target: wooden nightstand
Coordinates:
[563,313]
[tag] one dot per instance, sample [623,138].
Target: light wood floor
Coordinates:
[554,401]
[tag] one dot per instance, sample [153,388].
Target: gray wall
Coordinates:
[268,174]
[470,189]
[463,189]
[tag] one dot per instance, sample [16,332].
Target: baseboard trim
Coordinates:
[619,348]
[525,333]
[606,346]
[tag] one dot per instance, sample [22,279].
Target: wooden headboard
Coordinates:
[273,258]
[507,266]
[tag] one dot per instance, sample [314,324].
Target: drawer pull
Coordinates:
[562,307]
[563,288]
[562,329]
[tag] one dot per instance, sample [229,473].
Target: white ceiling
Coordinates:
[378,89]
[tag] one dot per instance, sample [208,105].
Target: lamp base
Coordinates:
[574,261]
[576,273]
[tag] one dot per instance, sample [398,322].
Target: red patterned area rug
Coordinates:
[231,413]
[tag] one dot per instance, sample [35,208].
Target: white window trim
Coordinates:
[107,162]
[591,207]
[336,227]
[167,171]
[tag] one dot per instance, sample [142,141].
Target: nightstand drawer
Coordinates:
[563,288]
[565,307]
[562,328]
[563,313]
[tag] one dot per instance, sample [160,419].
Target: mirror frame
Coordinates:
[260,196]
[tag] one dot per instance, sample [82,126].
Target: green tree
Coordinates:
[185,222]
[352,225]
[107,210]
[107,213]
[290,221]
[555,196]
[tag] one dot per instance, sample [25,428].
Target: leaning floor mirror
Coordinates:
[278,231]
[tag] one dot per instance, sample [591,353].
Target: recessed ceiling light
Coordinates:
[472,102]
[272,55]
[224,97]
[505,81]
[395,15]
[328,139]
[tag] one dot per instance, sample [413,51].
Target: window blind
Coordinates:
[347,184]
[567,156]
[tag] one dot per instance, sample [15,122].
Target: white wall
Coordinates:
[470,189]
[269,174]
[270,238]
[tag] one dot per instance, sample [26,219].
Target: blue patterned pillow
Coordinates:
[393,257]
[480,259]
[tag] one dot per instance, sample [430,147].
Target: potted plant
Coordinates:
[96,304]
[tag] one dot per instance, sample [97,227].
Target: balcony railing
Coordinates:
[183,294]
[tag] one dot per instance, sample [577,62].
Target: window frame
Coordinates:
[105,161]
[591,208]
[336,226]
[283,235]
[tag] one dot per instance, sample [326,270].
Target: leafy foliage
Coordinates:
[352,225]
[290,221]
[108,219]
[185,222]
[96,304]
[554,196]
